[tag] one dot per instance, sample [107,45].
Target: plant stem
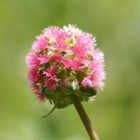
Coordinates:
[84,117]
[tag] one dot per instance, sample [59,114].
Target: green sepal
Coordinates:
[73,86]
[67,90]
[64,102]
[83,94]
[89,91]
[86,92]
[50,95]
[51,110]
[58,90]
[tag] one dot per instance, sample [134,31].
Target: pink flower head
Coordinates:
[67,63]
[87,82]
[97,78]
[34,87]
[57,58]
[44,59]
[40,96]
[64,61]
[71,29]
[51,74]
[32,60]
[77,65]
[32,75]
[50,83]
[51,32]
[41,43]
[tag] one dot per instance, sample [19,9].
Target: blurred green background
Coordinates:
[115,113]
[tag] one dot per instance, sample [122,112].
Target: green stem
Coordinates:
[84,117]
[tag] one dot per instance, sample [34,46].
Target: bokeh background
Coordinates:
[115,112]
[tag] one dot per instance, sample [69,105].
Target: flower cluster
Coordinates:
[63,62]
